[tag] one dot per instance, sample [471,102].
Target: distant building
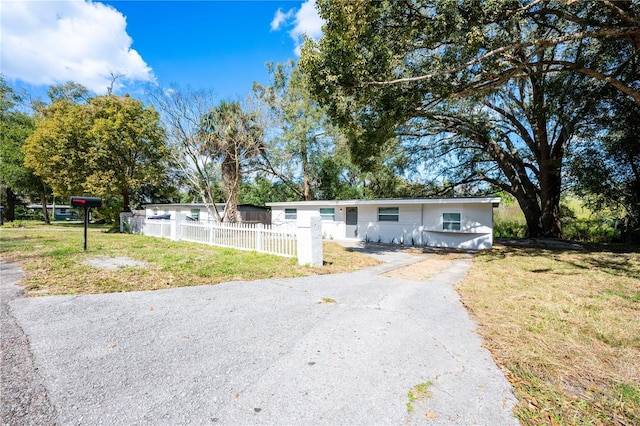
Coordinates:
[57,212]
[199,212]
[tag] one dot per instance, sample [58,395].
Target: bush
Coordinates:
[509,229]
[591,230]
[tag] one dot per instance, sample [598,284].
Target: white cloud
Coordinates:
[304,21]
[46,43]
[281,18]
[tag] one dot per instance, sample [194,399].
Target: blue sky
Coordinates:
[219,45]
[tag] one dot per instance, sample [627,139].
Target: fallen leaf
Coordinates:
[431,415]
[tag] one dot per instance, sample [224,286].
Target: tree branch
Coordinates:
[542,42]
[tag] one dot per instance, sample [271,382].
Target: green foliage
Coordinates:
[487,91]
[111,145]
[606,169]
[591,230]
[110,210]
[262,191]
[506,229]
[303,152]
[233,137]
[16,178]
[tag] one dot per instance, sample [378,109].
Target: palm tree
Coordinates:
[231,136]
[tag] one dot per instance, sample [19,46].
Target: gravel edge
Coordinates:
[23,397]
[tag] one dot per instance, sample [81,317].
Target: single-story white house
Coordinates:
[199,212]
[465,223]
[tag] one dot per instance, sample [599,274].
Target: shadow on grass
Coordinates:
[614,259]
[381,248]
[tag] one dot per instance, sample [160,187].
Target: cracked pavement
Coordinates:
[268,352]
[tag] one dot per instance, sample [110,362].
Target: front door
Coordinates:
[352,222]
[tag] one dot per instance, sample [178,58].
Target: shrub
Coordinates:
[591,230]
[509,229]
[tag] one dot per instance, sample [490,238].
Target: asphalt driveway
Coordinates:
[335,349]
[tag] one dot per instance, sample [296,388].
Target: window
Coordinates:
[388,214]
[195,214]
[328,214]
[291,214]
[451,221]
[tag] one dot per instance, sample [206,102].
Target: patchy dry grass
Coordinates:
[54,262]
[565,325]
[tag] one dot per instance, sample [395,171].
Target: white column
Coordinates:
[124,217]
[176,231]
[310,241]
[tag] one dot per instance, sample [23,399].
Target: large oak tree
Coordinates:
[497,89]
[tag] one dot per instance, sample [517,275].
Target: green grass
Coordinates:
[418,393]
[565,327]
[53,261]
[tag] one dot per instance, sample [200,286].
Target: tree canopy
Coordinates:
[15,127]
[492,91]
[109,145]
[233,137]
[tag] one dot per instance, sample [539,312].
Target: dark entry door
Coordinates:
[352,222]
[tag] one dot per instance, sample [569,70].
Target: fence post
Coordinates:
[259,237]
[176,230]
[125,217]
[310,241]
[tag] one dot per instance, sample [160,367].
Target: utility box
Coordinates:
[86,202]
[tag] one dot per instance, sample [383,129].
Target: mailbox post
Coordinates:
[86,203]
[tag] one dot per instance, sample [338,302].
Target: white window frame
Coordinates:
[290,214]
[391,214]
[195,214]
[451,225]
[326,216]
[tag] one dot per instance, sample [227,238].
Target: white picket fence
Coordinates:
[242,236]
[282,241]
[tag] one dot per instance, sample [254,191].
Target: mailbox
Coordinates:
[86,202]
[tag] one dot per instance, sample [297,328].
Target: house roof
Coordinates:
[390,202]
[49,206]
[198,205]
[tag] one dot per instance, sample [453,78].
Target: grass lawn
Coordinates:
[54,262]
[565,327]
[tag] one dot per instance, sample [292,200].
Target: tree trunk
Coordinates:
[10,212]
[125,200]
[550,189]
[230,173]
[45,211]
[531,210]
[305,170]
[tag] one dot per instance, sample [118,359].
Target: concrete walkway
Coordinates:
[336,349]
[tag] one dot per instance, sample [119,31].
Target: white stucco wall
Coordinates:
[184,211]
[418,224]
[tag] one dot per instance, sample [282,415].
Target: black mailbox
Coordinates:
[86,202]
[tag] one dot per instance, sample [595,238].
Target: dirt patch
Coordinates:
[114,263]
[425,269]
